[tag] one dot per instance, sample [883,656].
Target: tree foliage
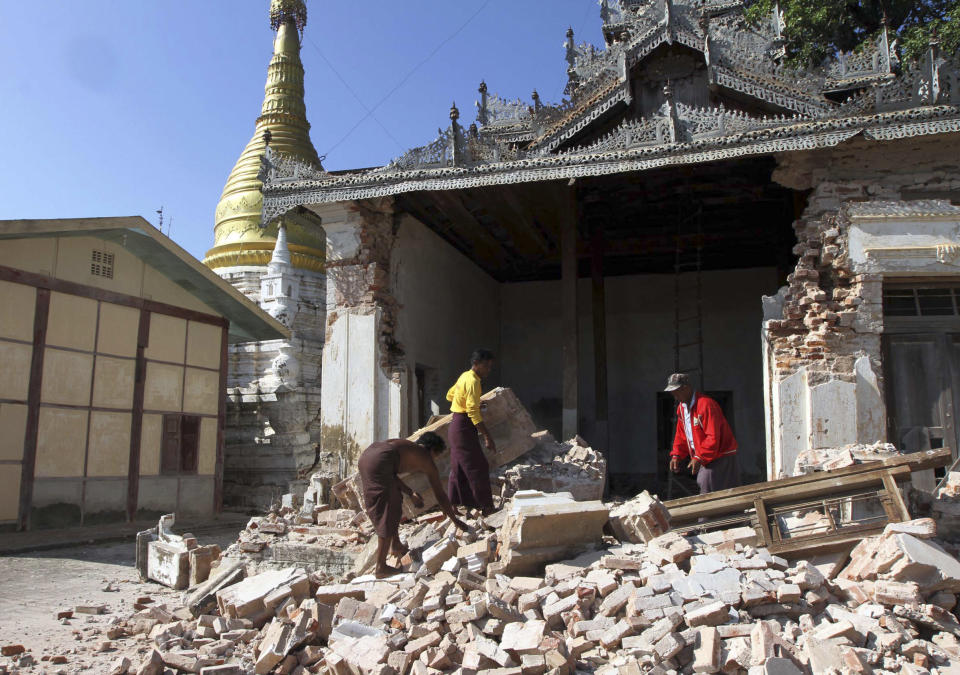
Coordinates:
[817,29]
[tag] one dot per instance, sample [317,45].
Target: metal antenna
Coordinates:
[160,211]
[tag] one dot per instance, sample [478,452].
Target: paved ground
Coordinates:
[35,586]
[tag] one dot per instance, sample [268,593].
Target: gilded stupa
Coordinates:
[238,238]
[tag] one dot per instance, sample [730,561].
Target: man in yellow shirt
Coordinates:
[469,482]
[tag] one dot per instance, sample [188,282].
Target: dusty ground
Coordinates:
[35,586]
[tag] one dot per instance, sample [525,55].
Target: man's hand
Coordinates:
[694,465]
[675,464]
[417,499]
[488,440]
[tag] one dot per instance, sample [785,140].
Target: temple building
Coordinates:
[789,237]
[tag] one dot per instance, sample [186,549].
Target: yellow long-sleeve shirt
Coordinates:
[464,396]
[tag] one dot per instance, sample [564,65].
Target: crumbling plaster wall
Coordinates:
[640,338]
[364,379]
[448,308]
[822,337]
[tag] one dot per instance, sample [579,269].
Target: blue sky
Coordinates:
[115,108]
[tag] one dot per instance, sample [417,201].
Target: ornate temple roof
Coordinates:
[676,82]
[238,238]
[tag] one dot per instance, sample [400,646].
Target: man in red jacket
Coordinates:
[704,437]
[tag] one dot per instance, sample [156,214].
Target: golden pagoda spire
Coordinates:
[238,237]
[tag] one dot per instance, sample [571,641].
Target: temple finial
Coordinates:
[282,11]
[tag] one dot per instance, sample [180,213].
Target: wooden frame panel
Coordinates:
[28,467]
[824,483]
[44,282]
[221,424]
[136,422]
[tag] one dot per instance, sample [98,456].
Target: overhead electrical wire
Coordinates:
[403,81]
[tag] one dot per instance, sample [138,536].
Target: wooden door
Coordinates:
[921,379]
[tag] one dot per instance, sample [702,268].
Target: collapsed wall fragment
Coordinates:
[572,467]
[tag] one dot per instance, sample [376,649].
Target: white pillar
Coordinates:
[360,397]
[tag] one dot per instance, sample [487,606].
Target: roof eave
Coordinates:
[247,321]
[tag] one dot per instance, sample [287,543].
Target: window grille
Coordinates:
[101,264]
[932,301]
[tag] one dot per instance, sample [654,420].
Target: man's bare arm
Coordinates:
[442,500]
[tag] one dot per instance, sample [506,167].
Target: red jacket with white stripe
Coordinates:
[712,435]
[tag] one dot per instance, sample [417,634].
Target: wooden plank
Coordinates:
[844,539]
[917,461]
[825,484]
[71,288]
[41,314]
[901,512]
[136,419]
[221,425]
[763,521]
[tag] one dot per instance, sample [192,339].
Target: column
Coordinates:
[363,379]
[570,336]
[599,306]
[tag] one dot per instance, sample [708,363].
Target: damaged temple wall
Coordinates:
[449,308]
[823,336]
[362,382]
[640,315]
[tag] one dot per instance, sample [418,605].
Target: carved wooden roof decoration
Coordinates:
[757,105]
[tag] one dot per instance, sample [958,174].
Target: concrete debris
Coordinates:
[171,559]
[572,467]
[542,528]
[828,459]
[898,556]
[307,535]
[514,600]
[640,520]
[539,588]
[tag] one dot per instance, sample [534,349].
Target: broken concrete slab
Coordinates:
[904,558]
[168,564]
[541,529]
[200,562]
[246,600]
[203,598]
[640,520]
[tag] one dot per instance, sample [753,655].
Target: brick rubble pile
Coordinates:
[674,604]
[572,467]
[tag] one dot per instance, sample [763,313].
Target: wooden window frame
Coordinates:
[180,445]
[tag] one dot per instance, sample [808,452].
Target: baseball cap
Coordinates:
[676,381]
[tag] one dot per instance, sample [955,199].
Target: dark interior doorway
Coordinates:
[684,485]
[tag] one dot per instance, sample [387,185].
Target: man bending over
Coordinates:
[380,467]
